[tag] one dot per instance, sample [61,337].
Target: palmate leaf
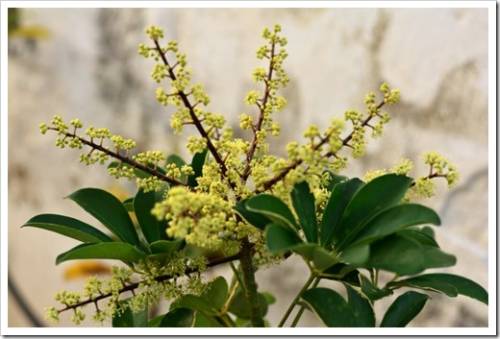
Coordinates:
[178,317]
[304,205]
[209,302]
[449,284]
[106,208]
[273,208]
[197,165]
[243,309]
[281,238]
[339,198]
[395,219]
[67,226]
[406,307]
[404,255]
[374,197]
[104,250]
[256,219]
[335,311]
[152,228]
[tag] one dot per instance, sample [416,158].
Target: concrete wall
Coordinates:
[89,68]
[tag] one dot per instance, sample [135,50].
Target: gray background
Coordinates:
[89,68]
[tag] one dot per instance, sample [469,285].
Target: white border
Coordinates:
[492,203]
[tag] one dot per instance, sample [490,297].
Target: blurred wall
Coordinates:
[88,67]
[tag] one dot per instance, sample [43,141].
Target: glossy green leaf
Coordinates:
[273,208]
[129,204]
[374,197]
[195,303]
[361,309]
[304,205]
[330,307]
[106,208]
[280,238]
[406,307]
[150,226]
[256,219]
[202,320]
[339,198]
[356,255]
[197,165]
[67,226]
[216,293]
[241,307]
[406,256]
[321,258]
[270,298]
[178,317]
[419,235]
[450,284]
[333,179]
[130,319]
[372,291]
[343,272]
[167,247]
[104,250]
[394,219]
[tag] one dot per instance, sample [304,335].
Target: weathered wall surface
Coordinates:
[89,68]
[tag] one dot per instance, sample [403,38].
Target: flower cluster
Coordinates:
[150,288]
[202,219]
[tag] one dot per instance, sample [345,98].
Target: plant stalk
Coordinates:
[294,302]
[249,283]
[302,308]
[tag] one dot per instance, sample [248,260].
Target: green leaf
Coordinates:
[321,258]
[406,307]
[195,303]
[372,291]
[167,247]
[202,320]
[273,208]
[104,250]
[339,198]
[280,238]
[356,255]
[178,317]
[361,308]
[129,204]
[106,208]
[130,319]
[419,235]
[450,284]
[374,197]
[241,307]
[256,219]
[150,226]
[394,219]
[343,272]
[333,179]
[304,205]
[67,226]
[406,256]
[330,307]
[197,165]
[270,298]
[216,293]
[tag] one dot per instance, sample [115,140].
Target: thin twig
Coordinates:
[345,142]
[161,278]
[196,121]
[123,159]
[258,127]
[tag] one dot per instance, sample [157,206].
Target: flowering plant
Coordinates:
[236,204]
